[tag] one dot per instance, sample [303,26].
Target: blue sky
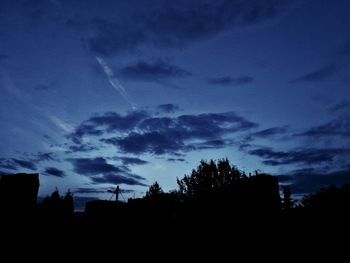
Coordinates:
[99,93]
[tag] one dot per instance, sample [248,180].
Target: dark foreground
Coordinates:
[253,235]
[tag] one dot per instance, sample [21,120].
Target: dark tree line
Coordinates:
[58,205]
[221,185]
[210,177]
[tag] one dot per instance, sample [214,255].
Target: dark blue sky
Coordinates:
[98,93]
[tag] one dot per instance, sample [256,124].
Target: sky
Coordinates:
[100,93]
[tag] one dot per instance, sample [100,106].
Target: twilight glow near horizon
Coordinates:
[99,93]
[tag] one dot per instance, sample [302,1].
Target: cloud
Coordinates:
[168,108]
[127,191]
[337,63]
[175,159]
[60,123]
[132,161]
[338,127]
[229,81]
[117,179]
[114,81]
[108,122]
[98,165]
[151,142]
[24,164]
[340,106]
[47,156]
[161,135]
[139,132]
[54,172]
[169,25]
[317,75]
[99,171]
[270,132]
[303,156]
[7,164]
[30,164]
[211,144]
[81,148]
[303,182]
[152,71]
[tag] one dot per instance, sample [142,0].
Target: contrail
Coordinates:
[65,126]
[115,82]
[107,70]
[10,87]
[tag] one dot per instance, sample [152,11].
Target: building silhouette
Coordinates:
[18,192]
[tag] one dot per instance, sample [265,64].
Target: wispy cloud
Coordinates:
[153,71]
[317,75]
[115,83]
[334,66]
[14,164]
[65,126]
[342,105]
[338,127]
[306,156]
[52,171]
[25,99]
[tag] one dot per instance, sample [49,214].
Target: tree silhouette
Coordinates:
[68,202]
[209,177]
[330,198]
[287,201]
[154,190]
[58,206]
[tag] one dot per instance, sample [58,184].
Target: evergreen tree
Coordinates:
[154,190]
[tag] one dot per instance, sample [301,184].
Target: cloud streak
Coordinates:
[308,156]
[343,105]
[338,127]
[152,71]
[115,83]
[15,164]
[63,125]
[317,75]
[52,171]
[268,133]
[340,61]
